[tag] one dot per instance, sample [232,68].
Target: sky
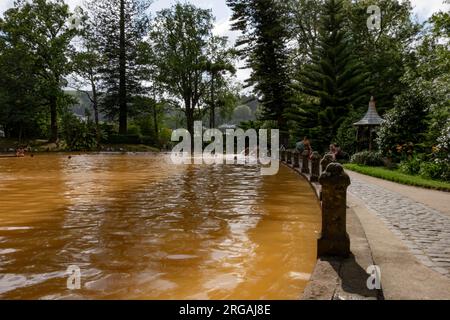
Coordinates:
[422,8]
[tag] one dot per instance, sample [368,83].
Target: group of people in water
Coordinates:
[334,150]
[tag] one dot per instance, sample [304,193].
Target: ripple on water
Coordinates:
[141,228]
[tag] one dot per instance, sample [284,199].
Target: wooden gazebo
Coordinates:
[366,127]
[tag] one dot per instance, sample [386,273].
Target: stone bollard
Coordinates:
[305,162]
[315,167]
[289,157]
[283,155]
[334,240]
[296,163]
[327,159]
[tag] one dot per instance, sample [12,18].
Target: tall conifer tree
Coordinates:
[263,44]
[122,26]
[334,77]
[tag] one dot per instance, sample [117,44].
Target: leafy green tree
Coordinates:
[180,37]
[303,27]
[335,77]
[218,64]
[263,44]
[403,129]
[40,31]
[20,100]
[87,65]
[386,51]
[419,121]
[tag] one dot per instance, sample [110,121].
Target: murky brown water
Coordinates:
[140,228]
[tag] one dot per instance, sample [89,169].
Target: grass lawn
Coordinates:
[395,176]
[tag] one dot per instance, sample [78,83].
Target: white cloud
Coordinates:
[425,8]
[422,8]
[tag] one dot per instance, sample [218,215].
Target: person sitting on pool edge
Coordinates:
[304,145]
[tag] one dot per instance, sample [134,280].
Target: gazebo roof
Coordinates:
[372,118]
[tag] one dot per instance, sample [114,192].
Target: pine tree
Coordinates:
[122,24]
[263,44]
[334,77]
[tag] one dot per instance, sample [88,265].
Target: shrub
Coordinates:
[124,139]
[411,166]
[148,140]
[437,170]
[346,134]
[107,130]
[134,129]
[367,158]
[79,135]
[402,131]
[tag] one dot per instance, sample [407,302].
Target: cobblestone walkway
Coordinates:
[424,230]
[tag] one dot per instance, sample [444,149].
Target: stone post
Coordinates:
[305,162]
[283,155]
[296,163]
[315,167]
[334,240]
[289,157]
[327,159]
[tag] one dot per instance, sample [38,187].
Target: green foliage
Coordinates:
[335,78]
[411,166]
[125,139]
[134,129]
[367,158]
[384,52]
[35,42]
[180,37]
[402,131]
[421,113]
[263,44]
[346,134]
[79,135]
[437,170]
[120,29]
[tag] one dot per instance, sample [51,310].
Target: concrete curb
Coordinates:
[342,279]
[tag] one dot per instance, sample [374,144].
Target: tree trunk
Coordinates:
[189,111]
[53,119]
[123,112]
[284,134]
[95,107]
[20,132]
[155,121]
[212,120]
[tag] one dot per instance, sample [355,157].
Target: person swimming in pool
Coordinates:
[20,152]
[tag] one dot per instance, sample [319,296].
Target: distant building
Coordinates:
[225,127]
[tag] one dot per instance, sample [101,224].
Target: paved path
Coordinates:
[424,230]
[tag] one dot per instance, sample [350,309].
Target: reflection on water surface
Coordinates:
[141,228]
